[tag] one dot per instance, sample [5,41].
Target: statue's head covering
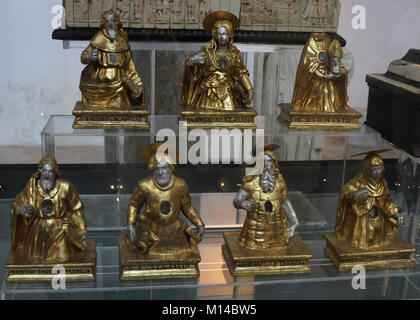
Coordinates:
[372,159]
[155,153]
[47,160]
[108,13]
[269,152]
[335,50]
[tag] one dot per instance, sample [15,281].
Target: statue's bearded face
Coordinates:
[376,172]
[111,26]
[162,174]
[222,36]
[268,176]
[48,177]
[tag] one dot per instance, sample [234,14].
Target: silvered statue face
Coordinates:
[222,36]
[111,26]
[47,177]
[268,177]
[335,65]
[376,172]
[162,174]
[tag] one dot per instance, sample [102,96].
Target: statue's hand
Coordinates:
[250,96]
[140,91]
[361,195]
[201,231]
[26,210]
[83,239]
[291,230]
[198,58]
[395,210]
[131,232]
[248,205]
[93,56]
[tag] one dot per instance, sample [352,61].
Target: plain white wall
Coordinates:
[37,75]
[392,28]
[39,78]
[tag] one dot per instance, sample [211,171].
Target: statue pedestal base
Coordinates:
[395,254]
[136,266]
[107,118]
[217,119]
[82,267]
[242,261]
[318,120]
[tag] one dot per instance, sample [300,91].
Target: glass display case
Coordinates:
[105,165]
[314,182]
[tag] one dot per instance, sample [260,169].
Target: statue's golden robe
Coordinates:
[266,225]
[48,237]
[222,83]
[159,226]
[313,90]
[365,224]
[102,83]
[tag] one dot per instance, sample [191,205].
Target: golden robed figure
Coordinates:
[215,79]
[367,219]
[48,228]
[111,86]
[320,93]
[158,243]
[267,243]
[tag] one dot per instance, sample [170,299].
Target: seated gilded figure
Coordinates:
[47,218]
[154,222]
[265,198]
[215,77]
[321,79]
[110,78]
[367,219]
[163,226]
[320,98]
[366,214]
[267,243]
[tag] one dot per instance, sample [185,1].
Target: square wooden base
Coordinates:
[136,266]
[217,119]
[348,120]
[81,267]
[242,261]
[395,254]
[108,118]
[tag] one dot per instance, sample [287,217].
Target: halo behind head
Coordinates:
[213,17]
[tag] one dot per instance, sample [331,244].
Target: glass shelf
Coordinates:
[216,281]
[61,125]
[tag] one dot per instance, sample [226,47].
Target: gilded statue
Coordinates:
[321,79]
[367,219]
[47,218]
[153,214]
[366,214]
[265,198]
[267,242]
[110,79]
[320,98]
[215,78]
[163,226]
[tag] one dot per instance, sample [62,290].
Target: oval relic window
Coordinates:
[47,206]
[268,206]
[165,207]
